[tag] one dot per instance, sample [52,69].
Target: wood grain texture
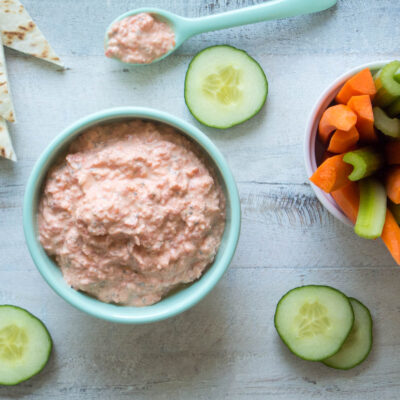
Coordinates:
[225,347]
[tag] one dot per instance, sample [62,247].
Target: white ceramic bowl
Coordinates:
[313,149]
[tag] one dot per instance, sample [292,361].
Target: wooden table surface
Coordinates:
[226,347]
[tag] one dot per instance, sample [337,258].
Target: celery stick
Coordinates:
[365,162]
[396,75]
[372,212]
[394,109]
[388,126]
[389,88]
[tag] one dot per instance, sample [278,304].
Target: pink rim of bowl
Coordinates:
[311,147]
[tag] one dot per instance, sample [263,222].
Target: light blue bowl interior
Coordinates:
[173,304]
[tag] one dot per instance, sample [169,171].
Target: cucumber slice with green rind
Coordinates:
[25,345]
[359,343]
[314,321]
[224,86]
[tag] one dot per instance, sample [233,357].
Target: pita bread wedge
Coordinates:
[6,147]
[20,33]
[6,105]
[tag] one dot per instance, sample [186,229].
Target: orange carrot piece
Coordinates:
[393,184]
[348,199]
[360,83]
[343,141]
[391,236]
[392,152]
[332,174]
[336,117]
[362,106]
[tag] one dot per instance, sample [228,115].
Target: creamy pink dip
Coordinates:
[139,39]
[131,212]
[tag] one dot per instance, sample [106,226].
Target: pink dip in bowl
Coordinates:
[131,212]
[139,39]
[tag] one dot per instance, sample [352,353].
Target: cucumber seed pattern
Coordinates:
[312,320]
[12,342]
[224,85]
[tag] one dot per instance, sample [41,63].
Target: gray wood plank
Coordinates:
[225,347]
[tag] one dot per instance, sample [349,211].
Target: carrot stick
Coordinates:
[332,174]
[362,106]
[392,152]
[393,184]
[336,117]
[360,83]
[343,141]
[391,236]
[348,199]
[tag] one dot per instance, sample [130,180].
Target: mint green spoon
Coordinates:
[184,28]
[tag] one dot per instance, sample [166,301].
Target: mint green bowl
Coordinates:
[172,304]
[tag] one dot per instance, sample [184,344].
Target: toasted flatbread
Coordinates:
[20,33]
[6,147]
[6,105]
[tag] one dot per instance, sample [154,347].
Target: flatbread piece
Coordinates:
[20,33]
[6,105]
[6,147]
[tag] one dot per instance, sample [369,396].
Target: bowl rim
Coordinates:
[320,105]
[178,302]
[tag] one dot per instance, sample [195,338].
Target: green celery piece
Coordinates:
[365,162]
[372,211]
[394,109]
[377,79]
[396,75]
[389,88]
[395,209]
[388,126]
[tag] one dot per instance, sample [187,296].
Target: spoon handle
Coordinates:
[273,9]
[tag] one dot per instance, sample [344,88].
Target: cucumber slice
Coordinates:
[25,345]
[224,86]
[359,343]
[314,321]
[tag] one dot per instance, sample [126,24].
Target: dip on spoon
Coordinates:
[139,39]
[164,31]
